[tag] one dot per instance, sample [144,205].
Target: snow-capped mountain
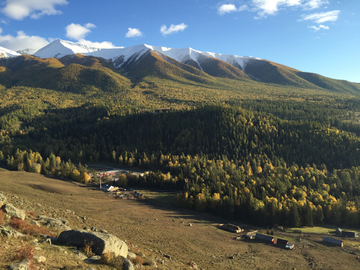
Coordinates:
[5,53]
[142,62]
[60,48]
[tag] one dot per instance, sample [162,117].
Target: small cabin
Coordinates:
[250,235]
[265,238]
[290,245]
[348,234]
[338,231]
[333,241]
[282,242]
[230,227]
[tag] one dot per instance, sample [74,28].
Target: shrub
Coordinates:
[88,249]
[29,229]
[25,252]
[138,260]
[2,214]
[111,260]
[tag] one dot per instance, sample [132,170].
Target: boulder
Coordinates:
[2,199]
[39,259]
[101,242]
[57,223]
[23,265]
[10,232]
[12,211]
[128,265]
[131,255]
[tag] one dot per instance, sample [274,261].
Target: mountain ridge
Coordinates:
[183,64]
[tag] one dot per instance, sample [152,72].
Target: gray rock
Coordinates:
[57,223]
[39,259]
[10,232]
[23,265]
[152,263]
[12,211]
[101,242]
[34,222]
[81,255]
[128,265]
[2,199]
[131,255]
[93,259]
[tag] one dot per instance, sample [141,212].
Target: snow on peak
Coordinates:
[59,48]
[5,53]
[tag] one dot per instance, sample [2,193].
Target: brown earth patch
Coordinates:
[158,230]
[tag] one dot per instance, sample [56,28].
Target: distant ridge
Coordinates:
[142,61]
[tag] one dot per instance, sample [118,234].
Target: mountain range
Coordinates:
[141,61]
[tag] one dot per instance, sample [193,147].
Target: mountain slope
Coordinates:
[5,53]
[185,65]
[50,73]
[152,64]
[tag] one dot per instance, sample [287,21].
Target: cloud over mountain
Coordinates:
[133,32]
[77,31]
[172,29]
[20,9]
[22,41]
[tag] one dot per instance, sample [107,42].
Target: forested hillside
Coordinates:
[252,151]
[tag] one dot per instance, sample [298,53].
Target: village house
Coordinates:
[265,238]
[333,241]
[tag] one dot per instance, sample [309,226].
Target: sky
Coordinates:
[319,36]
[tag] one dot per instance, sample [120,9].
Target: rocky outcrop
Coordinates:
[128,265]
[10,232]
[23,265]
[101,242]
[2,199]
[12,211]
[57,223]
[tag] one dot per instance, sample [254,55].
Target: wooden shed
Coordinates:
[265,238]
[348,234]
[290,245]
[282,242]
[333,241]
[250,235]
[230,227]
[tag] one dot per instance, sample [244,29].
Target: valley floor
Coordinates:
[159,230]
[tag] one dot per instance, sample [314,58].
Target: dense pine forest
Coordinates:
[257,153]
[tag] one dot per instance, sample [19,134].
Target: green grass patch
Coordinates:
[157,197]
[326,229]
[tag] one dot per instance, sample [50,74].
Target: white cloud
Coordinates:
[312,4]
[19,9]
[172,29]
[227,8]
[320,27]
[133,32]
[103,45]
[330,16]
[271,7]
[77,31]
[22,41]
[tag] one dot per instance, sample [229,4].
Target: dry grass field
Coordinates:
[156,230]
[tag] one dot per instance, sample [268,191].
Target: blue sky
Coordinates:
[320,36]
